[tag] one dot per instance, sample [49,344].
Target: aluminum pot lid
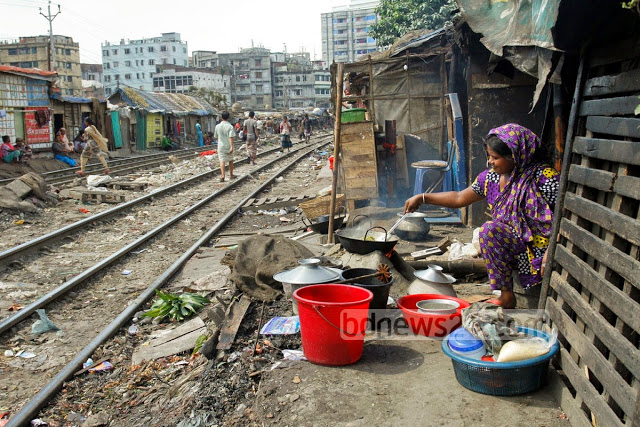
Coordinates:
[307,273]
[434,274]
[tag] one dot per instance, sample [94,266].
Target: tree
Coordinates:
[398,17]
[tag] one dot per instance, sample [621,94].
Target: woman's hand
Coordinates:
[413,203]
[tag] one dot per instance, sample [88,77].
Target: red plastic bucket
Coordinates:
[331,162]
[333,321]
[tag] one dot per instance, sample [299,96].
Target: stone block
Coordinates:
[19,188]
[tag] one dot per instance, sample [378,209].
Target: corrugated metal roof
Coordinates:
[33,73]
[173,103]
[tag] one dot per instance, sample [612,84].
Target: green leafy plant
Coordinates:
[637,110]
[176,307]
[199,343]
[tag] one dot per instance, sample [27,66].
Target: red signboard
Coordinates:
[35,133]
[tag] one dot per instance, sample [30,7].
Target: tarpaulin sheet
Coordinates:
[511,22]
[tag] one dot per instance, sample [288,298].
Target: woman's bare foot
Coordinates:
[507,299]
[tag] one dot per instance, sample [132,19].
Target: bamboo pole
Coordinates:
[336,149]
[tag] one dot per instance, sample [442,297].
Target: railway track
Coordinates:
[119,166]
[157,249]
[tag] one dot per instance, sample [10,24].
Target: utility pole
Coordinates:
[48,17]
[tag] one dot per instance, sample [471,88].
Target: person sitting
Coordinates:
[167,145]
[61,152]
[521,189]
[23,147]
[79,142]
[9,152]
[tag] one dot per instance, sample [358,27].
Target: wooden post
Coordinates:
[336,150]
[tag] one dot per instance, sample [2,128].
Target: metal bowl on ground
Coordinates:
[437,306]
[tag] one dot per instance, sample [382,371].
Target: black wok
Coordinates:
[355,241]
[321,224]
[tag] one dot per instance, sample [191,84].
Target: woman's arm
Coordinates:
[449,199]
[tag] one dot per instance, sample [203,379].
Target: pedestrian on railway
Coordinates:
[224,134]
[251,131]
[285,131]
[306,127]
[199,131]
[269,126]
[96,146]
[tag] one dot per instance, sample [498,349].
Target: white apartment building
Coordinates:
[345,31]
[133,62]
[176,79]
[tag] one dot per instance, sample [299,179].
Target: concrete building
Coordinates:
[204,59]
[33,52]
[251,82]
[345,31]
[92,80]
[299,83]
[132,62]
[176,79]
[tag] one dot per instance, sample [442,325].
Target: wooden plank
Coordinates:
[619,126]
[260,201]
[623,264]
[356,128]
[604,414]
[613,52]
[249,202]
[594,178]
[568,403]
[402,170]
[613,383]
[278,204]
[628,81]
[175,341]
[628,186]
[615,300]
[620,224]
[622,106]
[232,323]
[608,149]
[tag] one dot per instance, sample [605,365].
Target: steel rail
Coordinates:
[65,287]
[27,412]
[118,161]
[18,250]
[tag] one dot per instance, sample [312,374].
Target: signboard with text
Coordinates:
[34,132]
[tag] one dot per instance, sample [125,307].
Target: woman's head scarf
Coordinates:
[520,204]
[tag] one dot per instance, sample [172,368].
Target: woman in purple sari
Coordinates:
[521,189]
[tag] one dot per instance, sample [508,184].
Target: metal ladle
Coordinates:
[396,224]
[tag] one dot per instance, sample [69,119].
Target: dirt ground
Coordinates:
[395,383]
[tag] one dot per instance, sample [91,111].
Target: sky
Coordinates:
[222,26]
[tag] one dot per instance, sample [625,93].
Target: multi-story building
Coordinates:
[132,62]
[92,84]
[176,79]
[345,31]
[34,52]
[299,83]
[204,59]
[251,81]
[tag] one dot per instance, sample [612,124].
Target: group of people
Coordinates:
[18,153]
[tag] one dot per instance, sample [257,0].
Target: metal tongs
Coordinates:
[397,223]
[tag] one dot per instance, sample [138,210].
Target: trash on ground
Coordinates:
[43,325]
[25,354]
[281,326]
[294,355]
[15,307]
[133,329]
[101,367]
[8,353]
[126,272]
[83,210]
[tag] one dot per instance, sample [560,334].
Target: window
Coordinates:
[184,50]
[26,64]
[127,51]
[69,79]
[67,65]
[107,65]
[158,82]
[143,75]
[258,62]
[107,91]
[107,78]
[138,76]
[14,64]
[185,63]
[34,50]
[297,92]
[67,51]
[278,93]
[151,62]
[116,64]
[259,100]
[127,76]
[174,61]
[258,74]
[137,62]
[116,77]
[297,78]
[173,48]
[114,52]
[26,50]
[304,78]
[163,48]
[105,52]
[127,63]
[150,49]
[258,88]
[13,51]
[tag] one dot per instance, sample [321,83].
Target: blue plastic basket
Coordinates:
[505,378]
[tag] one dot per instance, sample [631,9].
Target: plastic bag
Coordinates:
[526,348]
[43,325]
